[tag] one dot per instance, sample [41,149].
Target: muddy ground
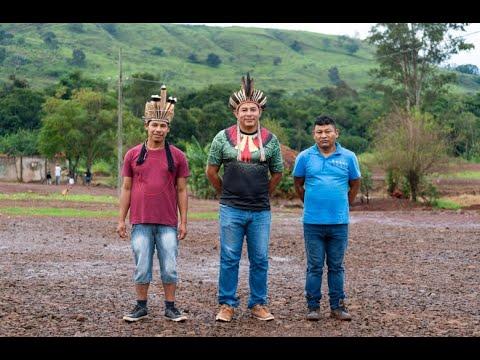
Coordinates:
[409,272]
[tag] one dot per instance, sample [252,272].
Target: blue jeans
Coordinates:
[147,237]
[321,240]
[235,224]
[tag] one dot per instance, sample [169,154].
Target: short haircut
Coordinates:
[324,120]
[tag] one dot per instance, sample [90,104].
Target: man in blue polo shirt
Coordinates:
[327,179]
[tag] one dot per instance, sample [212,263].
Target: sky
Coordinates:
[361,30]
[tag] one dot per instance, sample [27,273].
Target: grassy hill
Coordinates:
[286,59]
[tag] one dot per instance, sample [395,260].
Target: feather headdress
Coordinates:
[160,107]
[247,93]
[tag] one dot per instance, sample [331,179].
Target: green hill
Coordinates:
[177,54]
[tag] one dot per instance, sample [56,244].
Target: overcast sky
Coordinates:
[361,30]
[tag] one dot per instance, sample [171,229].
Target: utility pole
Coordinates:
[120,125]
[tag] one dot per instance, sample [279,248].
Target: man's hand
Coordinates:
[182,231]
[122,229]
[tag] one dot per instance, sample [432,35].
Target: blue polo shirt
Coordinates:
[326,184]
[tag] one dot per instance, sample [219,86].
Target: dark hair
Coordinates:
[325,120]
[143,155]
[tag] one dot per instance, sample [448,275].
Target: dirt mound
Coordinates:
[289,156]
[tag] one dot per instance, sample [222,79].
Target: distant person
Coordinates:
[88,177]
[49,178]
[155,190]
[253,167]
[71,178]
[327,180]
[58,174]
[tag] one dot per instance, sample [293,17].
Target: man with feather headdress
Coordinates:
[248,153]
[155,190]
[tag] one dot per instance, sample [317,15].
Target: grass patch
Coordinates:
[463,175]
[209,215]
[84,198]
[446,204]
[57,212]
[70,212]
[464,200]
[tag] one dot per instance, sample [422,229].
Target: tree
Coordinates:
[213,60]
[21,143]
[334,75]
[295,46]
[139,90]
[466,135]
[6,38]
[19,109]
[78,57]
[60,132]
[78,127]
[193,58]
[110,28]
[73,81]
[157,51]
[275,127]
[3,54]
[76,27]
[352,47]
[408,54]
[467,69]
[50,39]
[277,60]
[411,144]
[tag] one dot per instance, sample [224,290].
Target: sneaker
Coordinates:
[313,314]
[138,313]
[341,313]
[225,314]
[174,314]
[261,312]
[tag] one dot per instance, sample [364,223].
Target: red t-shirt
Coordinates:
[153,197]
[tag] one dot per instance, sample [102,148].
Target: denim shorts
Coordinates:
[145,239]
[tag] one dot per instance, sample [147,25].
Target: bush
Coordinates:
[295,46]
[110,28]
[157,51]
[75,27]
[429,193]
[78,57]
[193,58]
[286,187]
[213,60]
[50,39]
[366,183]
[197,161]
[3,54]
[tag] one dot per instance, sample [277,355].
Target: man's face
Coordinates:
[157,130]
[325,136]
[248,115]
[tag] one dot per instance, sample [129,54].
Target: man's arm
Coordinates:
[182,206]
[354,187]
[274,180]
[212,175]
[124,206]
[299,181]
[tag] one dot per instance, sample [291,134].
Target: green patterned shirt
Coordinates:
[245,183]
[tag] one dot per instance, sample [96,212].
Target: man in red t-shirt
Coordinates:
[154,186]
